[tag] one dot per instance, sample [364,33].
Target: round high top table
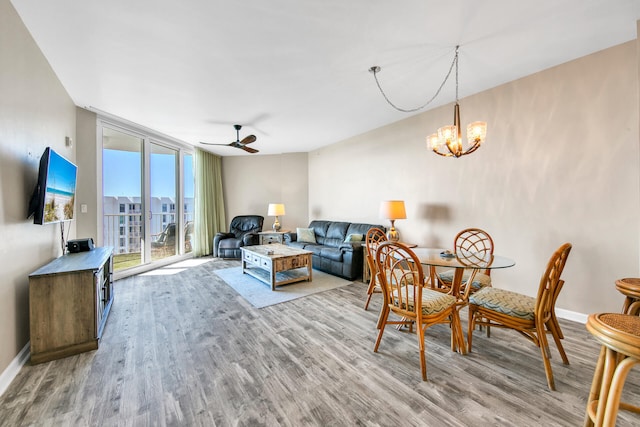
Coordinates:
[630,288]
[620,337]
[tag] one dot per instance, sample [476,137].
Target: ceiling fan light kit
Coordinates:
[447,141]
[238,143]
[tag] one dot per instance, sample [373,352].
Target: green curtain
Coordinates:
[209,201]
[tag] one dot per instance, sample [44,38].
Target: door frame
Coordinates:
[148,137]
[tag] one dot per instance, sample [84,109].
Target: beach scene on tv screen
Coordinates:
[60,192]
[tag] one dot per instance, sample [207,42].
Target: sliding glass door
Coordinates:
[163,163]
[147,198]
[122,201]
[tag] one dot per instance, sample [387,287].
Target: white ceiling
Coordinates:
[294,72]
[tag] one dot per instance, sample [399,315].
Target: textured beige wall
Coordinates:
[35,112]
[250,183]
[560,164]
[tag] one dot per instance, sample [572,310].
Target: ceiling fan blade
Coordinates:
[248,139]
[249,149]
[211,143]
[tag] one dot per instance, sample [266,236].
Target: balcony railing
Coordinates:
[125,232]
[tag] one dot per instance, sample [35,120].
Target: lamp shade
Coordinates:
[275,209]
[393,209]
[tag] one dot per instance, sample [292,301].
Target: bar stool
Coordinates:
[620,338]
[630,288]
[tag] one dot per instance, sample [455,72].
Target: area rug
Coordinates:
[260,295]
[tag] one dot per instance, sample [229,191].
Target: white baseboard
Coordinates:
[572,315]
[14,367]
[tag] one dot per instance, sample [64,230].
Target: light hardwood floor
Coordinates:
[185,349]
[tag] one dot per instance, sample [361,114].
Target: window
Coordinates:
[121,207]
[164,207]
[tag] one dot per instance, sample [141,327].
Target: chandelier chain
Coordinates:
[456,61]
[375,70]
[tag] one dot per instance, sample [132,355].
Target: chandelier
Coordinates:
[447,141]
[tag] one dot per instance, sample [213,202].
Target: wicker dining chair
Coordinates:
[470,241]
[532,317]
[373,237]
[398,269]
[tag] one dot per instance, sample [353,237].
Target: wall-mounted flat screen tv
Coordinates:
[53,199]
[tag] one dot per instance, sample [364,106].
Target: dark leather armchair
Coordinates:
[243,231]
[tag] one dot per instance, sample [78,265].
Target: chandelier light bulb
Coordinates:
[432,141]
[476,132]
[447,134]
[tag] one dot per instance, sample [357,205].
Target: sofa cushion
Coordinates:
[320,229]
[230,243]
[306,235]
[299,245]
[336,233]
[316,249]
[353,237]
[362,228]
[334,254]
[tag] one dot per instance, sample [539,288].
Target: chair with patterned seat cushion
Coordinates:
[470,241]
[532,317]
[398,270]
[373,237]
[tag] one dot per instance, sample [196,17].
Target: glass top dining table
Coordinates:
[465,265]
[462,260]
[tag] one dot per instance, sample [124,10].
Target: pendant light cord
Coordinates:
[375,70]
[455,59]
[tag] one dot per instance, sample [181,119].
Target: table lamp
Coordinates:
[276,209]
[392,210]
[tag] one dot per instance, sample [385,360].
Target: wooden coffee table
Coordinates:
[276,264]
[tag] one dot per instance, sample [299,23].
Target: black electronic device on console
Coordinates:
[80,245]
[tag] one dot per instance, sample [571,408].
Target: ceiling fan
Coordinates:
[237,143]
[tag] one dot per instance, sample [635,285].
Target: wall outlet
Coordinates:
[83,208]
